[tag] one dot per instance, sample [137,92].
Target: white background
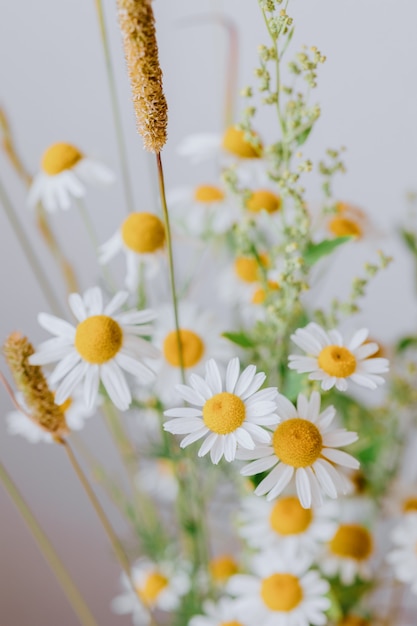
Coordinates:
[53,86]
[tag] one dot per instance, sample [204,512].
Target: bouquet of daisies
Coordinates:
[272,480]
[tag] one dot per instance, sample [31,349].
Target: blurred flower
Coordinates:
[403,557]
[142,238]
[348,553]
[220,614]
[206,210]
[227,419]
[74,411]
[333,363]
[64,170]
[158,585]
[281,591]
[222,567]
[304,448]
[201,339]
[97,349]
[285,524]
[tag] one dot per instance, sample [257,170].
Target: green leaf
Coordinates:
[240,339]
[303,136]
[406,342]
[410,240]
[315,251]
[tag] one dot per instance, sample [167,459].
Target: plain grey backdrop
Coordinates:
[53,86]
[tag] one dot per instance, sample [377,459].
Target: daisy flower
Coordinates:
[348,553]
[142,239]
[203,211]
[228,414]
[348,221]
[333,363]
[280,593]
[403,557]
[201,339]
[285,524]
[221,614]
[159,586]
[156,477]
[304,449]
[230,149]
[249,281]
[101,345]
[74,410]
[222,567]
[64,170]
[263,201]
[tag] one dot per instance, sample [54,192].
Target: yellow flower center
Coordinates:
[297,442]
[352,541]
[192,348]
[337,361]
[98,339]
[259,296]
[65,405]
[353,620]
[154,584]
[410,504]
[224,413]
[233,623]
[206,194]
[60,157]
[247,267]
[234,141]
[263,199]
[344,227]
[143,233]
[281,592]
[289,518]
[222,567]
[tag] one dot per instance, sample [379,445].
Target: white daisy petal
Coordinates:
[358,338]
[115,384]
[64,367]
[116,303]
[341,458]
[91,385]
[67,386]
[245,380]
[56,326]
[302,484]
[213,377]
[77,306]
[134,367]
[283,475]
[190,395]
[232,374]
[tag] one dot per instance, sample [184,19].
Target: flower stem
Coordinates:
[161,183]
[115,107]
[29,252]
[48,552]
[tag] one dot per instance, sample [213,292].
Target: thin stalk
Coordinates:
[161,183]
[74,597]
[114,540]
[115,107]
[188,488]
[88,224]
[29,252]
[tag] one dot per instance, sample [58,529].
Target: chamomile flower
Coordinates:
[280,593]
[201,339]
[229,414]
[99,348]
[348,553]
[159,586]
[204,211]
[232,143]
[230,149]
[64,172]
[285,524]
[249,281]
[142,239]
[263,201]
[156,476]
[74,410]
[333,363]
[303,450]
[403,557]
[222,567]
[221,614]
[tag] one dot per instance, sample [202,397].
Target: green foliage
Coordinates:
[315,251]
[240,339]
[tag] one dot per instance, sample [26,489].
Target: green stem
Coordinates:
[88,224]
[74,597]
[29,252]
[115,107]
[161,183]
